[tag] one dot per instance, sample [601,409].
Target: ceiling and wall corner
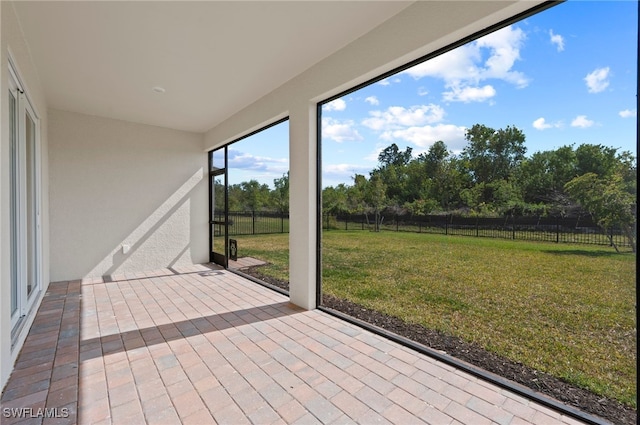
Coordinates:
[192,65]
[183,65]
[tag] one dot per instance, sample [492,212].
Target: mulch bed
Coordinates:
[541,382]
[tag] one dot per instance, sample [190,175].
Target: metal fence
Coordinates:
[580,230]
[254,222]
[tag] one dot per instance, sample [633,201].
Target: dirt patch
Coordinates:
[558,389]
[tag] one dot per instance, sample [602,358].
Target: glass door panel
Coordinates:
[219,231]
[31,211]
[14,205]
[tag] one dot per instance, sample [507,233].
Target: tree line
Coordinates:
[254,196]
[491,177]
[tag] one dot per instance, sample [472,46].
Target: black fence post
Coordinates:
[611,236]
[281,221]
[446,224]
[477,227]
[513,227]
[557,229]
[253,222]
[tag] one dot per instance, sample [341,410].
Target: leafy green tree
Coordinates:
[627,167]
[236,198]
[473,198]
[418,184]
[421,207]
[255,195]
[597,159]
[395,180]
[504,197]
[493,154]
[427,177]
[449,177]
[356,194]
[608,201]
[541,178]
[375,197]
[435,159]
[393,172]
[280,193]
[218,195]
[335,200]
[393,156]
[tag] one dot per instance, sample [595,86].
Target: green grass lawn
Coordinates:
[568,310]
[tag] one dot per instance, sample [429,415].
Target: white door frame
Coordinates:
[26,188]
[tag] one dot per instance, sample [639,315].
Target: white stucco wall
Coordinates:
[409,35]
[116,183]
[11,40]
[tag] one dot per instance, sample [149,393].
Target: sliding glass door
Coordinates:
[24,213]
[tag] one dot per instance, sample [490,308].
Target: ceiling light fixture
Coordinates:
[159,89]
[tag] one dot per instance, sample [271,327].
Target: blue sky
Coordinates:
[565,76]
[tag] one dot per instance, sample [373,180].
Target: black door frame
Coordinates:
[217,257]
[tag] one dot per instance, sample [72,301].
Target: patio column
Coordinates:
[302,205]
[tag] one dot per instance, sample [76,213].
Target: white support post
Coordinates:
[302,205]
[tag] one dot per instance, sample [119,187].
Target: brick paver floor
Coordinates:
[201,345]
[245,262]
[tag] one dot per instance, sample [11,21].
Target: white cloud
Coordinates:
[464,68]
[582,121]
[542,124]
[340,130]
[263,166]
[372,100]
[398,116]
[334,174]
[505,47]
[422,91]
[388,81]
[628,113]
[425,136]
[469,94]
[455,65]
[335,105]
[557,39]
[597,80]
[344,169]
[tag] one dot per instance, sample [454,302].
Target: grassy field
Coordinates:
[568,310]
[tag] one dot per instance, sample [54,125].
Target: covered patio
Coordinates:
[203,345]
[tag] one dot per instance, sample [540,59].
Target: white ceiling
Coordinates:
[213,58]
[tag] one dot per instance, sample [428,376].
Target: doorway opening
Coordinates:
[249,205]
